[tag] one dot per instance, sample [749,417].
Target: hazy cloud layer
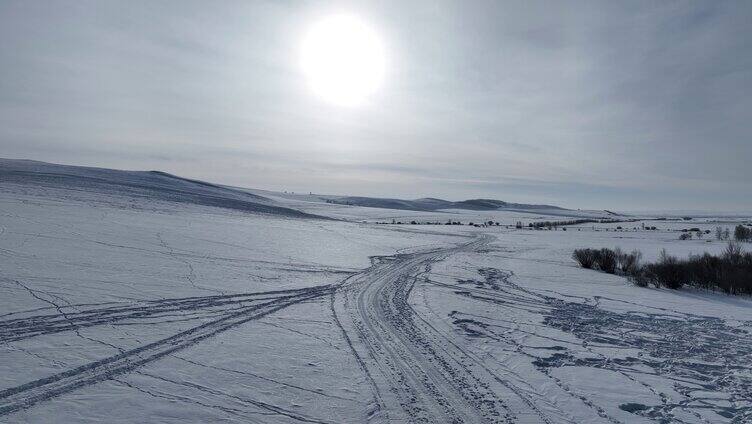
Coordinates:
[639,105]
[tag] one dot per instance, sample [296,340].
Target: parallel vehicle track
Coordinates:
[26,395]
[417,372]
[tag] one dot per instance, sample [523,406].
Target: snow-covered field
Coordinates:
[122,305]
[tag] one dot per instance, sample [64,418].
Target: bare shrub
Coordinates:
[669,271]
[585,257]
[628,263]
[606,259]
[641,278]
[733,253]
[730,272]
[741,233]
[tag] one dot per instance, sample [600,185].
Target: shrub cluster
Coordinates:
[585,257]
[742,233]
[628,263]
[607,260]
[730,272]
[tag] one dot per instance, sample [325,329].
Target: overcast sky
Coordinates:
[629,106]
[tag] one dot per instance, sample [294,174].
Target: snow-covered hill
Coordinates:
[151,185]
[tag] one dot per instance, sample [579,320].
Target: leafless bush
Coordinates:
[742,233]
[585,257]
[641,278]
[730,272]
[668,271]
[628,263]
[606,260]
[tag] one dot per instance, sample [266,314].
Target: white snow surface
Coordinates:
[122,308]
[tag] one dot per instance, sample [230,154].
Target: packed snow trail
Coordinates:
[419,374]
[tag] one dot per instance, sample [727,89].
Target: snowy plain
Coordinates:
[125,305]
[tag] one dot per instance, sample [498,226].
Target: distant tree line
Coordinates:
[730,272]
[553,224]
[339,202]
[741,233]
[448,222]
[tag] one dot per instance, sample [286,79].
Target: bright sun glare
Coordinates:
[343,59]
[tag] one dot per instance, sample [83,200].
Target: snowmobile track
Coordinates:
[26,395]
[420,374]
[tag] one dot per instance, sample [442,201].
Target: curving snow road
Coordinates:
[419,373]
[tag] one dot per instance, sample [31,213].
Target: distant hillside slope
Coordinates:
[432,204]
[154,185]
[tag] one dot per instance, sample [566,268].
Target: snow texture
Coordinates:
[133,297]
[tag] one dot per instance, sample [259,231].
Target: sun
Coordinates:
[343,59]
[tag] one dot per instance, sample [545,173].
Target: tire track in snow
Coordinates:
[29,394]
[70,318]
[419,374]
